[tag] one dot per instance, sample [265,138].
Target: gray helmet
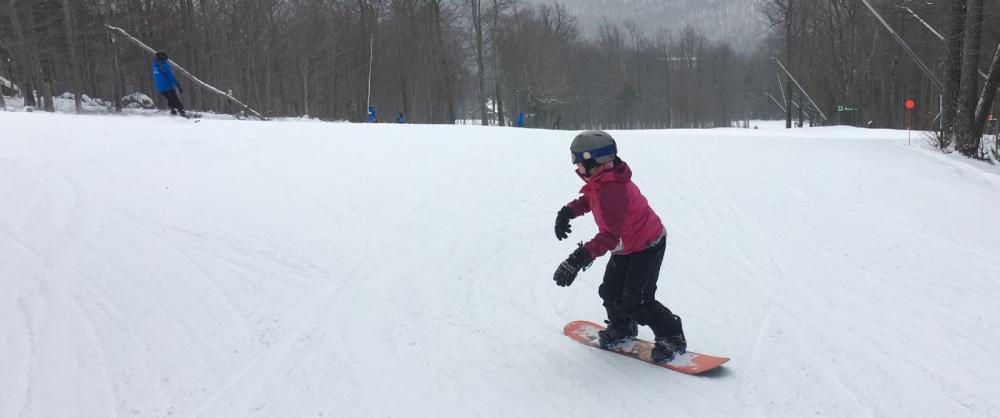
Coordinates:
[593,148]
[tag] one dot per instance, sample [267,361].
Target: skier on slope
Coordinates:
[166,83]
[636,238]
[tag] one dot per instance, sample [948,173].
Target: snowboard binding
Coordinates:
[616,335]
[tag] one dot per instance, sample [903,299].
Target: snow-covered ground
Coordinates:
[95,106]
[152,267]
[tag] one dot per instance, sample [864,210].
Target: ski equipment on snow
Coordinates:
[586,333]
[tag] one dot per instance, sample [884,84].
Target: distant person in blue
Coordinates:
[400,118]
[520,119]
[166,83]
[372,116]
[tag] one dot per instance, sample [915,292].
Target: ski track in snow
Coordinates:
[153,267]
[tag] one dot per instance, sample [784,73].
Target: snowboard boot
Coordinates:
[668,347]
[617,334]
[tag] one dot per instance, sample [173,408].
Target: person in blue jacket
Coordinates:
[166,83]
[372,116]
[520,119]
[400,118]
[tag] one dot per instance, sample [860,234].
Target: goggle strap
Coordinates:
[597,153]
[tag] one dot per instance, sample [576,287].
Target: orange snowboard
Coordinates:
[585,332]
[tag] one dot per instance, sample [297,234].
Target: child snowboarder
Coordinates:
[636,238]
[166,83]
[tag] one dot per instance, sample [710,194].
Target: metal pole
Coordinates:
[371,61]
[776,102]
[780,88]
[929,27]
[800,88]
[941,112]
[913,55]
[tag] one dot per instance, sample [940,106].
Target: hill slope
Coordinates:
[155,267]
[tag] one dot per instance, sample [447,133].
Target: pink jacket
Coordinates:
[625,221]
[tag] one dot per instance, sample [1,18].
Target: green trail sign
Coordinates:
[841,108]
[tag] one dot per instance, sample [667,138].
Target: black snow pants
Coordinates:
[173,101]
[629,291]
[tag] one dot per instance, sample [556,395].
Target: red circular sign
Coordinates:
[910,104]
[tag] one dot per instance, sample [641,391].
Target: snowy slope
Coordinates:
[156,267]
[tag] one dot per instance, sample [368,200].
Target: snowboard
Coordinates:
[585,332]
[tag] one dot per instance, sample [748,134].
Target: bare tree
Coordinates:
[985,103]
[496,35]
[73,63]
[476,16]
[968,140]
[441,60]
[782,13]
[953,71]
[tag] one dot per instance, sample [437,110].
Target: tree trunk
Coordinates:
[498,100]
[953,72]
[74,67]
[666,95]
[190,35]
[477,24]
[988,95]
[968,142]
[788,58]
[44,78]
[788,104]
[445,78]
[117,83]
[47,102]
[802,115]
[305,87]
[27,61]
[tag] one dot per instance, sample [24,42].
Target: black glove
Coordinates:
[567,270]
[562,223]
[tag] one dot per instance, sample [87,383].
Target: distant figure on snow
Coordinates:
[166,83]
[520,119]
[400,118]
[372,116]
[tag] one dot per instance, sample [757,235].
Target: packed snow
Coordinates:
[152,267]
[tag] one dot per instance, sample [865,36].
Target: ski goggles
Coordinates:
[579,157]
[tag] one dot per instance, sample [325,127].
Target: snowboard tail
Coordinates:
[585,332]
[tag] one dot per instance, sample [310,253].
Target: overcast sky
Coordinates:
[736,21]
